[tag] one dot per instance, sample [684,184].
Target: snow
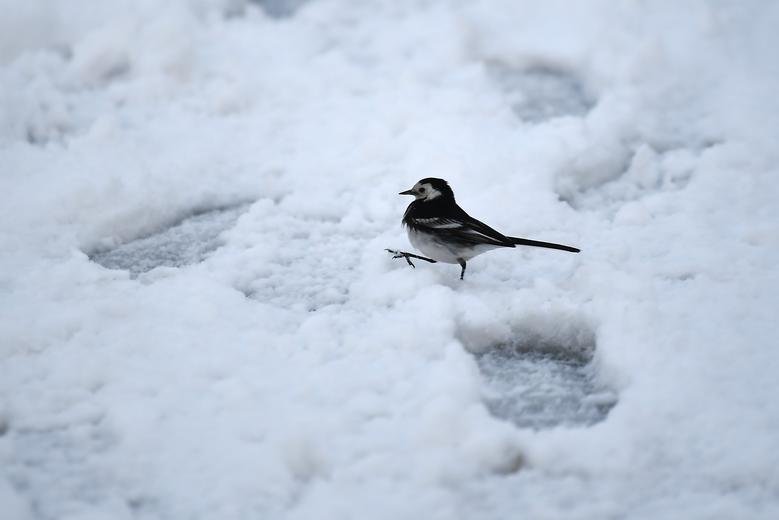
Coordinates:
[198,318]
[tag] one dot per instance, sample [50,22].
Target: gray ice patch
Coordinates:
[539,93]
[186,242]
[280,8]
[541,381]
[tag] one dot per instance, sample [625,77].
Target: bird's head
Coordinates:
[429,189]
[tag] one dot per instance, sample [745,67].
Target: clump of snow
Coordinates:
[299,372]
[14,506]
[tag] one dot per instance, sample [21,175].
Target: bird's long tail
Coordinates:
[536,243]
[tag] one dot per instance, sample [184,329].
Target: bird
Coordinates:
[443,231]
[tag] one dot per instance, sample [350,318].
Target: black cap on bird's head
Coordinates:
[430,188]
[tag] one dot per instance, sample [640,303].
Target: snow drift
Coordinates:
[289,368]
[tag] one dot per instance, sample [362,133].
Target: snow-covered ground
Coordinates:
[198,320]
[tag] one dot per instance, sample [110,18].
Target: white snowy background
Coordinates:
[198,320]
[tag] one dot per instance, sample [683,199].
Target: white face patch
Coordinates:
[425,191]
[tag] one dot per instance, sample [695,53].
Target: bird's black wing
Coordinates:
[461,229]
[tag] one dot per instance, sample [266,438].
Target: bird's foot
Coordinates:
[401,254]
[409,256]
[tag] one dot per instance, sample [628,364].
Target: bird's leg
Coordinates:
[462,264]
[409,256]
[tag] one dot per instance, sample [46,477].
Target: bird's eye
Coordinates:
[421,190]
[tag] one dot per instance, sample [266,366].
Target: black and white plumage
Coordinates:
[443,231]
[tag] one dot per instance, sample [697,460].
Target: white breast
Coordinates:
[441,252]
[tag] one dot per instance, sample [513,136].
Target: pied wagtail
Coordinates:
[443,231]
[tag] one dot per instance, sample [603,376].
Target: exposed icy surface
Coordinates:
[296,371]
[280,8]
[184,243]
[540,93]
[540,391]
[540,382]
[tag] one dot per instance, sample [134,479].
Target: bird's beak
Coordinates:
[407,192]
